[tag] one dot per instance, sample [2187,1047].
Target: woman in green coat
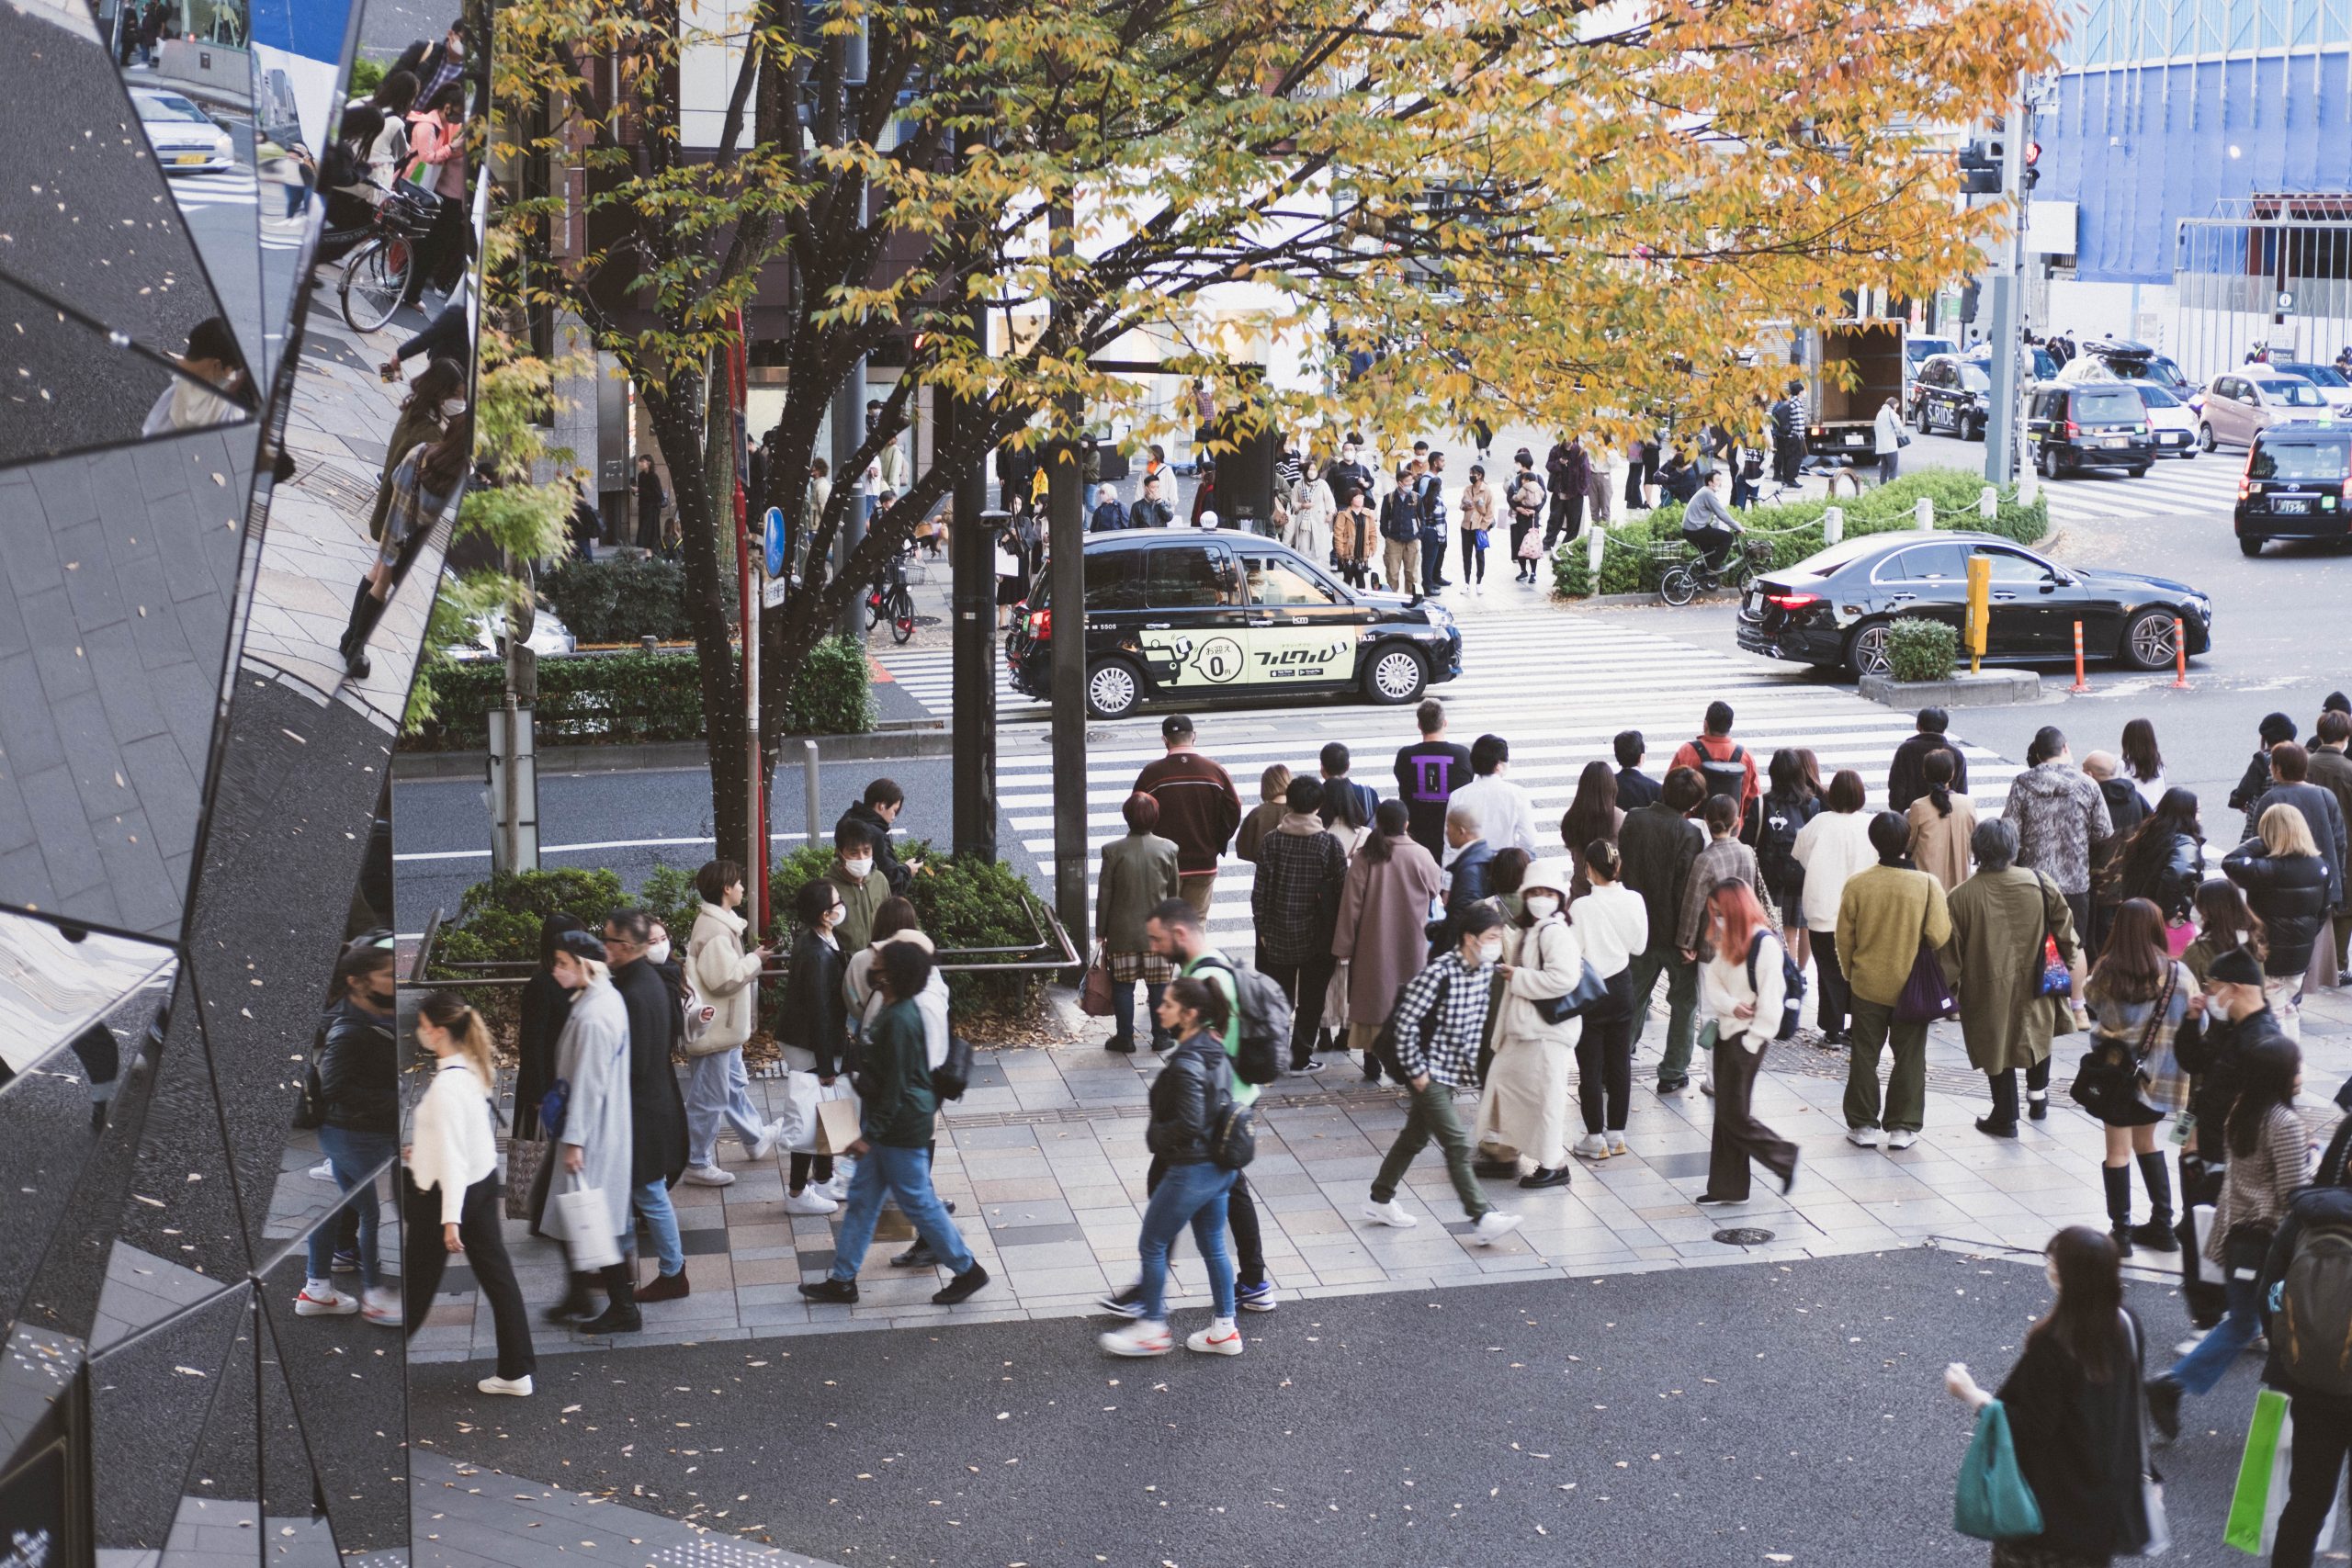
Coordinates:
[438,396]
[2000,918]
[1139,875]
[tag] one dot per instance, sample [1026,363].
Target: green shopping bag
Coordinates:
[1992,1501]
[2262,1476]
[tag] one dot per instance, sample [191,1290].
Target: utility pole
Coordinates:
[2004,441]
[849,398]
[1065,546]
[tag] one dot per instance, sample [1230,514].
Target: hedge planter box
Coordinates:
[1993,688]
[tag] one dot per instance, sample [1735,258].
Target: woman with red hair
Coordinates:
[1740,997]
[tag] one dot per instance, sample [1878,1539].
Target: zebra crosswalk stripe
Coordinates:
[2207,484]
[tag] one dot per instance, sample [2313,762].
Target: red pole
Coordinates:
[2179,657]
[2080,685]
[747,554]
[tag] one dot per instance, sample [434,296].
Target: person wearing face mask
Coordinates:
[725,979]
[1437,1025]
[1523,1112]
[658,1113]
[877,813]
[359,1083]
[854,877]
[815,1018]
[595,1139]
[1612,925]
[435,398]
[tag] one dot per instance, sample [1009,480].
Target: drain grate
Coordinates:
[1744,1235]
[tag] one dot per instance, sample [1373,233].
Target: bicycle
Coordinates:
[376,275]
[889,599]
[1684,574]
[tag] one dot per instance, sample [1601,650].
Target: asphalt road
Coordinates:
[1712,1417]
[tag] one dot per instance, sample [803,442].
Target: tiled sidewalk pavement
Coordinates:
[468,1517]
[1045,1160]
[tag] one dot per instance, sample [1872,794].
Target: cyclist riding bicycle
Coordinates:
[1708,525]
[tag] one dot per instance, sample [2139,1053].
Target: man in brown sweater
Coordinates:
[1199,808]
[1883,916]
[1725,859]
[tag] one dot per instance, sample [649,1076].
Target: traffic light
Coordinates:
[1979,167]
[2032,164]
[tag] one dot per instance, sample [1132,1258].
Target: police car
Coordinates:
[1189,613]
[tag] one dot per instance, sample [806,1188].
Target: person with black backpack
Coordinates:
[1432,1043]
[1746,1000]
[2270,1158]
[2305,1295]
[1787,803]
[1197,1133]
[1255,1026]
[1724,765]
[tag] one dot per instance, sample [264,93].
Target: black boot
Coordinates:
[2003,1122]
[621,1317]
[2119,1205]
[364,616]
[578,1304]
[2156,1235]
[351,626]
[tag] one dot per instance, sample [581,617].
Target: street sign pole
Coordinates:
[1066,565]
[2004,452]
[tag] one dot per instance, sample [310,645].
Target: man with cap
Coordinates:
[1884,916]
[1199,808]
[2256,781]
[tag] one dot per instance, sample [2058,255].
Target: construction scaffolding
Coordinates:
[2268,271]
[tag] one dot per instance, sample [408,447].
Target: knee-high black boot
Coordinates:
[351,627]
[621,1317]
[370,611]
[2156,1235]
[2119,1205]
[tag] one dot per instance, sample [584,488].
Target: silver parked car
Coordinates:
[2236,407]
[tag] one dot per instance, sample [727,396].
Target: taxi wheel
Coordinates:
[1394,675]
[1112,689]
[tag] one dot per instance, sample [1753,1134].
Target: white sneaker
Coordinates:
[1219,1339]
[1139,1340]
[323,1171]
[810,1201]
[381,1306]
[1707,1083]
[2186,1346]
[1617,1141]
[1492,1227]
[1392,1212]
[320,1299]
[708,1176]
[838,1188]
[1902,1138]
[1862,1137]
[1592,1145]
[764,1150]
[519,1387]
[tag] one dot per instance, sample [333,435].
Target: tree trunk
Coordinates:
[676,412]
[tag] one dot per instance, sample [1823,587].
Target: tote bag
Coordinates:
[581,1221]
[1992,1501]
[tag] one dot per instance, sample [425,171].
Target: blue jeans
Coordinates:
[885,1167]
[2202,1367]
[652,1200]
[1123,1010]
[719,1096]
[1191,1194]
[356,1157]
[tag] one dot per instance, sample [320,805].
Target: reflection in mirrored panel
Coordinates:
[68,384]
[182,1210]
[335,1406]
[58,979]
[299,51]
[172,1416]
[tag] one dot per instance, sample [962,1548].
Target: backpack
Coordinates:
[1233,1132]
[2312,1327]
[1265,1021]
[1778,825]
[1726,775]
[1792,987]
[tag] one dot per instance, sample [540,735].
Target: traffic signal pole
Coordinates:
[2005,438]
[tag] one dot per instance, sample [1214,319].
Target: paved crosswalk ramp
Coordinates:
[2205,485]
[1557,685]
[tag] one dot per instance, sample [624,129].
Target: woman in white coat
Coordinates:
[1740,1013]
[724,978]
[1613,924]
[595,1137]
[1311,511]
[1523,1113]
[1832,847]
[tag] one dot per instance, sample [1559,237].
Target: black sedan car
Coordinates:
[1833,608]
[2297,485]
[1951,394]
[1212,612]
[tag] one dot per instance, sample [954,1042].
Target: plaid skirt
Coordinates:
[1126,969]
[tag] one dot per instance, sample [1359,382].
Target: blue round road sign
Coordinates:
[775,541]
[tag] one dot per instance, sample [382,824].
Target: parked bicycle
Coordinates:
[375,276]
[889,599]
[1684,573]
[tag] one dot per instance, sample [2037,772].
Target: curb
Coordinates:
[670,756]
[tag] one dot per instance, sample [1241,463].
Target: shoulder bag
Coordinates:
[1590,990]
[1993,1500]
[2057,980]
[2109,1080]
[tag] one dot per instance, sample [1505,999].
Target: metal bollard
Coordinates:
[1833,525]
[815,791]
[1595,546]
[1988,504]
[1923,515]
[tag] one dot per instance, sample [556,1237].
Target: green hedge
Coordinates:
[624,698]
[1626,567]
[1920,650]
[626,598]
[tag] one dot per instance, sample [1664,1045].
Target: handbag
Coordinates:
[1992,1500]
[524,1158]
[953,1076]
[1589,989]
[583,1222]
[2109,1080]
[1479,536]
[2057,980]
[796,1112]
[1924,996]
[1531,545]
[553,1105]
[1094,996]
[1900,439]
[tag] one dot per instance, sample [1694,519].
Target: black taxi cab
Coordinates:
[1189,613]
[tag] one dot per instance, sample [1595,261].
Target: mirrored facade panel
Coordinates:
[335,1404]
[300,54]
[68,384]
[172,1422]
[182,1216]
[114,620]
